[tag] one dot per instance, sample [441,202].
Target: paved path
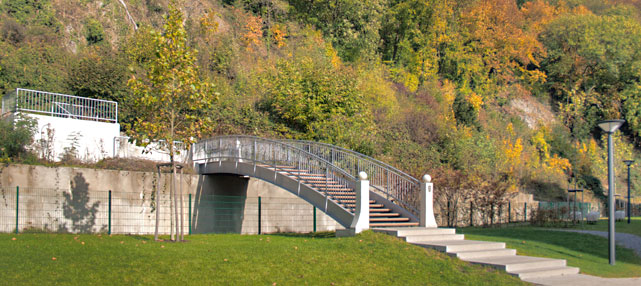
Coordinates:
[584,280]
[624,239]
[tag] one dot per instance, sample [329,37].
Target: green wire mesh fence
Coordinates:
[97,211]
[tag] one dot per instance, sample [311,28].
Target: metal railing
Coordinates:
[278,155]
[63,105]
[401,187]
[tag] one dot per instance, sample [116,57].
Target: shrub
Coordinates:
[94,32]
[15,136]
[12,31]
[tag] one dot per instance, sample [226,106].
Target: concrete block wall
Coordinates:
[281,211]
[63,199]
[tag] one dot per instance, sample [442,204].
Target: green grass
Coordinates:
[369,258]
[588,252]
[620,226]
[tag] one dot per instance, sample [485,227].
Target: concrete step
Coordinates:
[379,210]
[371,205]
[432,237]
[352,201]
[493,254]
[277,166]
[387,224]
[545,272]
[384,215]
[345,197]
[461,245]
[310,176]
[518,262]
[334,189]
[322,183]
[351,194]
[390,219]
[463,255]
[405,231]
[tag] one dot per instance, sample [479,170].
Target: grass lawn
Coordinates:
[588,252]
[230,259]
[620,226]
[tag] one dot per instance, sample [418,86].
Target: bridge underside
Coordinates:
[289,183]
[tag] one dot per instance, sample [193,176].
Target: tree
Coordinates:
[314,96]
[169,98]
[412,32]
[352,26]
[593,66]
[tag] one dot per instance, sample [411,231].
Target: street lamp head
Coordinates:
[612,125]
[628,162]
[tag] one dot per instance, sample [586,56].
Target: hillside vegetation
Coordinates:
[488,96]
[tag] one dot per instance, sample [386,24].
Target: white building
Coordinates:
[70,125]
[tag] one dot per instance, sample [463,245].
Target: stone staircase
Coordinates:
[493,254]
[380,215]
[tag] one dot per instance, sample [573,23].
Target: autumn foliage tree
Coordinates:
[168,97]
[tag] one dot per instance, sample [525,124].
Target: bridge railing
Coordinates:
[277,154]
[401,187]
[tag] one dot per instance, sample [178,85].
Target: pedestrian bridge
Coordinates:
[357,191]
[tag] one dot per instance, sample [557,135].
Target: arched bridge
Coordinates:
[324,175]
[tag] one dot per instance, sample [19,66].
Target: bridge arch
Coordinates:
[324,182]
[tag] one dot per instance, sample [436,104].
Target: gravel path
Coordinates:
[626,240]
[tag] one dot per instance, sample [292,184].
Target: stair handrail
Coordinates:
[271,152]
[394,183]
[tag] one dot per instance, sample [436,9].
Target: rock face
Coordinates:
[530,110]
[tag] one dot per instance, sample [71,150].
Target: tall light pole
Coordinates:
[611,126]
[628,163]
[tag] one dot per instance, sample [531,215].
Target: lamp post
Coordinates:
[628,163]
[611,126]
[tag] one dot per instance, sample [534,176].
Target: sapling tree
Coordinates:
[168,97]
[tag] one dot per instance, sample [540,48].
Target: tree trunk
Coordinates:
[173,167]
[182,207]
[172,206]
[157,204]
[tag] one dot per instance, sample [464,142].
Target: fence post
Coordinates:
[492,216]
[509,212]
[17,205]
[189,214]
[259,226]
[525,213]
[449,220]
[314,218]
[471,214]
[109,231]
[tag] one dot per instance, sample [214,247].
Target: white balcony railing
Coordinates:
[62,105]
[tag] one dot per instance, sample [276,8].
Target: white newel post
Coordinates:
[427,203]
[361,217]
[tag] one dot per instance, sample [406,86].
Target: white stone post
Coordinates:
[361,216]
[427,203]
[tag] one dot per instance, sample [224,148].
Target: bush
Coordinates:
[94,32]
[15,136]
[553,217]
[12,31]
